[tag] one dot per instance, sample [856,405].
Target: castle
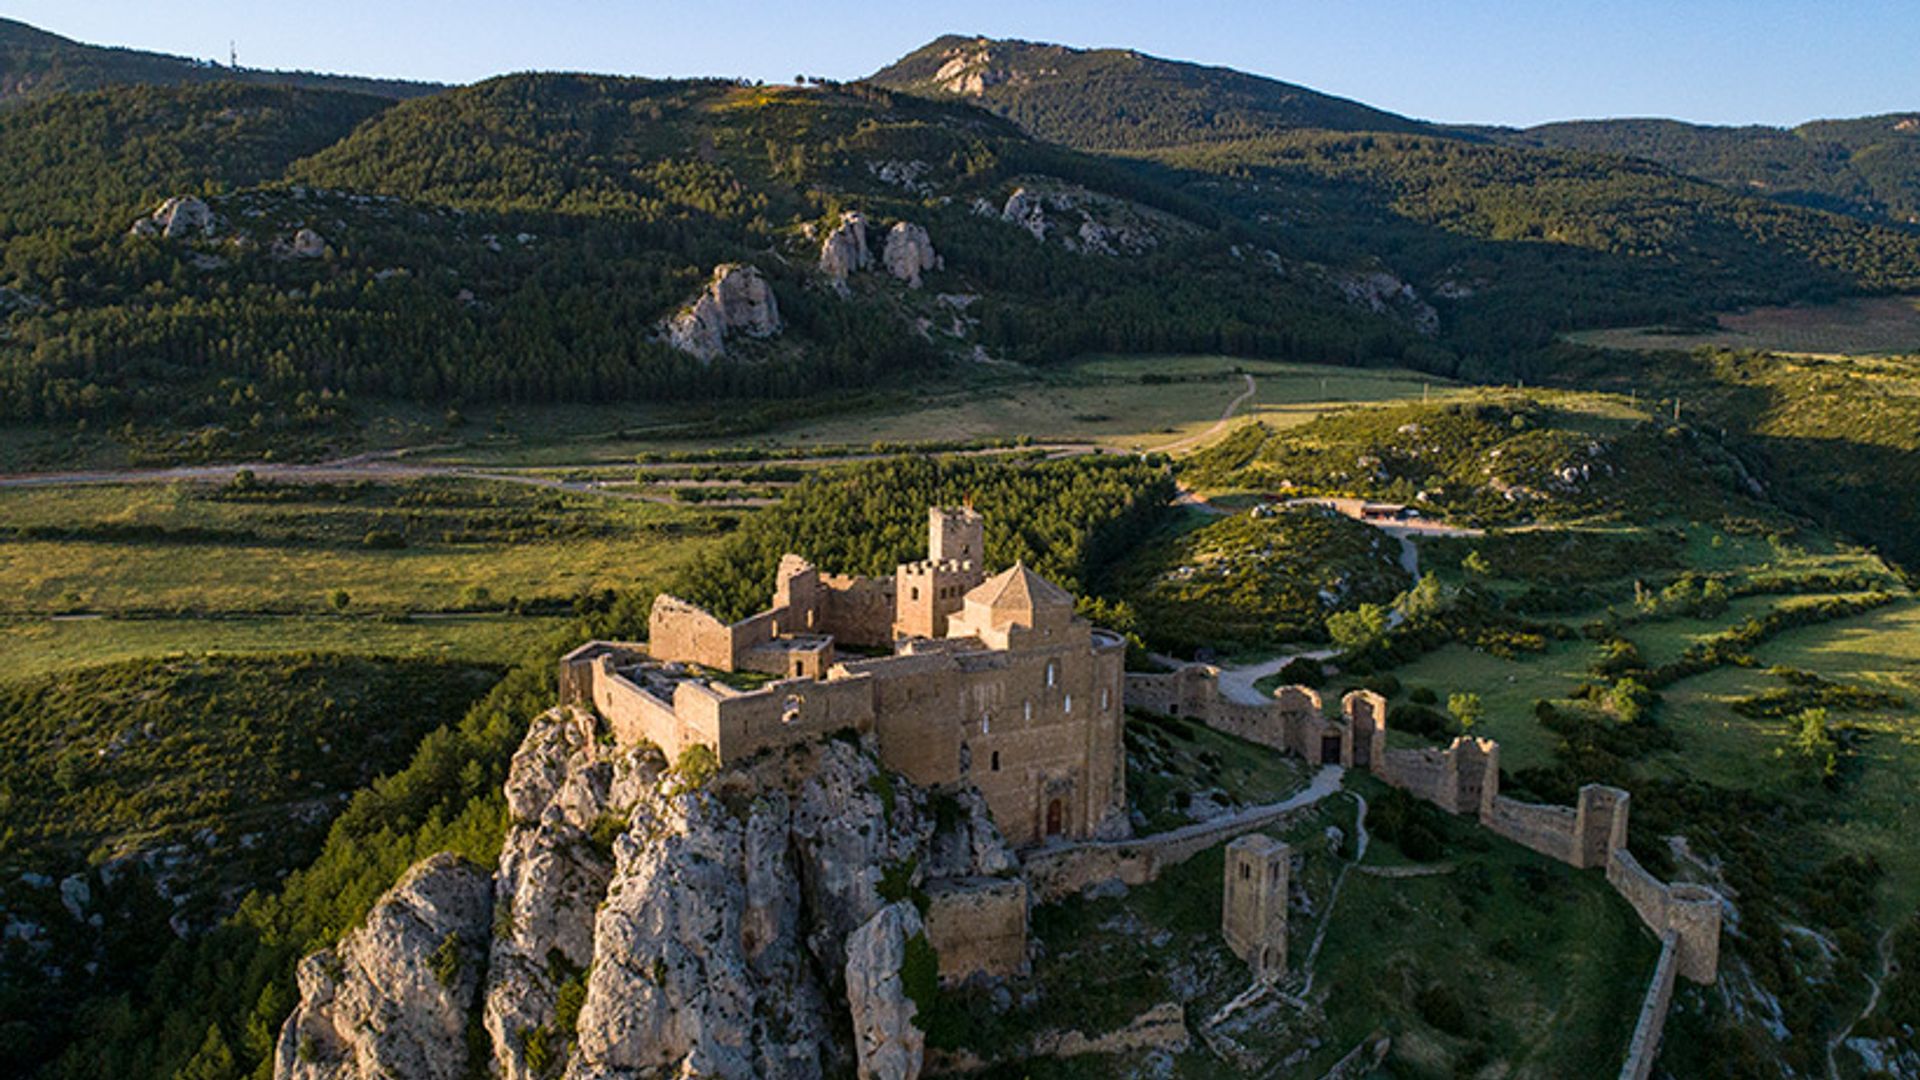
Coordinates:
[960,677]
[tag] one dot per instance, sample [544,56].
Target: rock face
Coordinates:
[566,793]
[737,300]
[1025,210]
[844,251]
[909,253]
[394,997]
[640,929]
[887,1043]
[182,217]
[1384,294]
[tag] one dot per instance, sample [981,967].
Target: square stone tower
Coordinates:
[956,534]
[926,592]
[1253,909]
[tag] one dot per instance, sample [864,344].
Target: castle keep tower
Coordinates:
[956,535]
[1253,910]
[926,592]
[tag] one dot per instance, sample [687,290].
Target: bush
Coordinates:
[1423,695]
[1301,671]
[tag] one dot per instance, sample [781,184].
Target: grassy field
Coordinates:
[425,546]
[465,570]
[1863,327]
[1130,403]
[1877,807]
[30,647]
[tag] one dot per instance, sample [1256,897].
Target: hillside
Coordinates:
[527,239]
[1108,99]
[1868,167]
[1511,244]
[35,64]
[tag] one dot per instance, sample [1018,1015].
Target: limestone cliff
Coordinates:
[737,300]
[640,926]
[844,251]
[394,997]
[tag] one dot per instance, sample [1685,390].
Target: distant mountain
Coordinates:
[34,63]
[1513,243]
[1869,167]
[1118,99]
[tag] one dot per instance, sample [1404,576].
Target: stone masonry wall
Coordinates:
[1644,1049]
[978,926]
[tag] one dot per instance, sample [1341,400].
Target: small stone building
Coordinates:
[1253,907]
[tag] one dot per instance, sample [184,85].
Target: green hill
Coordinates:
[1869,167]
[1107,99]
[34,64]
[522,240]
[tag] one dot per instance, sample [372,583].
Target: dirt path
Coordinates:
[1226,417]
[1320,932]
[1885,953]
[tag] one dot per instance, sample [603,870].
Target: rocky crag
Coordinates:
[647,920]
[736,301]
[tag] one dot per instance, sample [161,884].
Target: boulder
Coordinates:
[909,253]
[393,998]
[308,244]
[887,1042]
[736,300]
[1026,210]
[182,217]
[844,251]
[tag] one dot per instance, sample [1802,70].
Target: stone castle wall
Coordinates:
[1691,912]
[1644,1048]
[978,926]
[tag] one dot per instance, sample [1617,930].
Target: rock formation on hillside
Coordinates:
[885,1040]
[393,999]
[641,928]
[909,253]
[1384,294]
[737,300]
[182,217]
[844,251]
[1085,221]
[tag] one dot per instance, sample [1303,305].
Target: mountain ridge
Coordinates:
[35,63]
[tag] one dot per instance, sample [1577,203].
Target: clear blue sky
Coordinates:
[1513,62]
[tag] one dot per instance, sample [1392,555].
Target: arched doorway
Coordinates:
[1056,817]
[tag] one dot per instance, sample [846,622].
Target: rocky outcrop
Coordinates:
[642,929]
[737,301]
[1024,209]
[567,794]
[844,251]
[1384,294]
[393,998]
[887,1043]
[909,253]
[182,217]
[1085,221]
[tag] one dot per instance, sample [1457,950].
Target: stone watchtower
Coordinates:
[1253,909]
[926,592]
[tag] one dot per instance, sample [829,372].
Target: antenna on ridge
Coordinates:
[233,54]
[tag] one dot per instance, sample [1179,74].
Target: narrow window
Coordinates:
[1069,703]
[1106,699]
[1245,873]
[996,761]
[1053,672]
[915,591]
[1027,708]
